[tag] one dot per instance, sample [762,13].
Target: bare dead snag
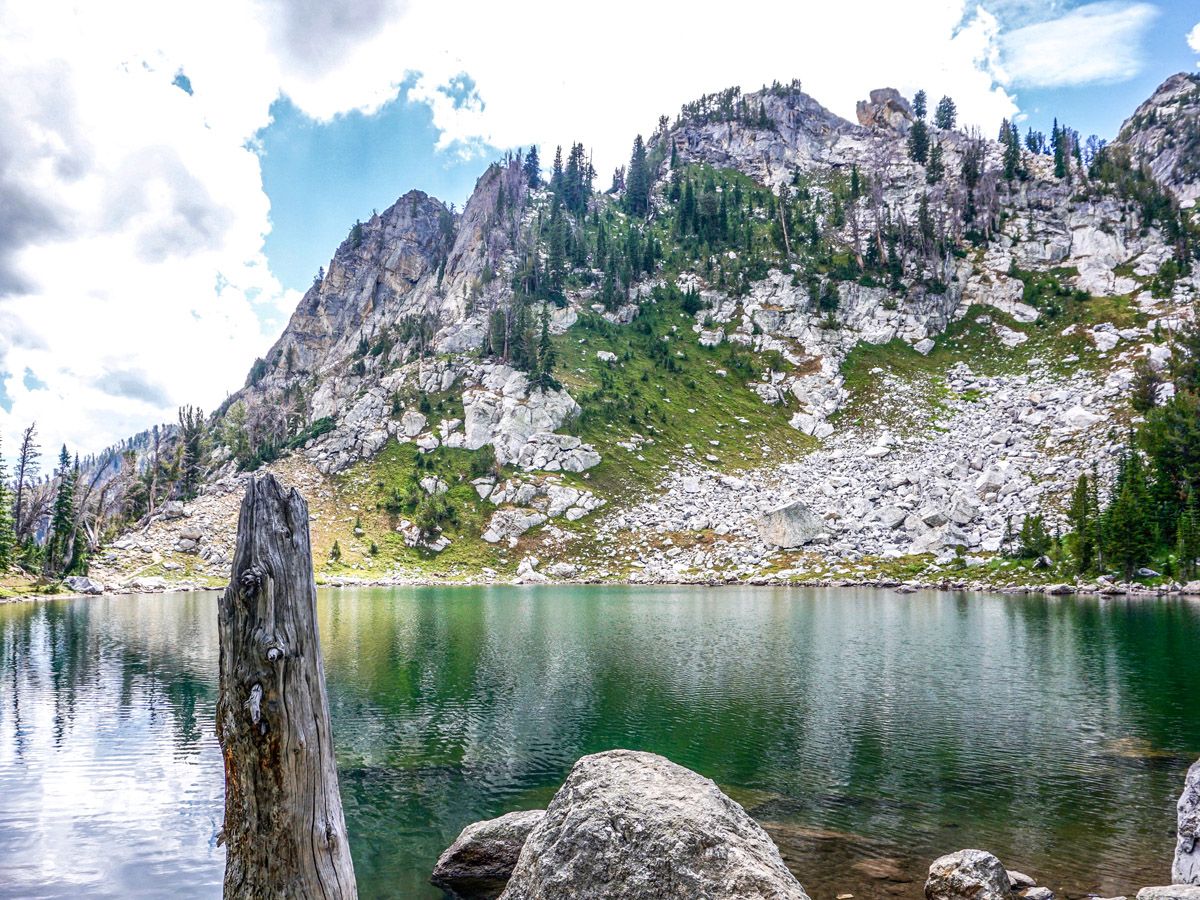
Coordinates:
[284,833]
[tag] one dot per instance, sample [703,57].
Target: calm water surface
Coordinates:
[868,731]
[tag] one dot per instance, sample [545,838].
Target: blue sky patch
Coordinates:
[321,177]
[31,381]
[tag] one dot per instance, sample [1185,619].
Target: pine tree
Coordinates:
[918,141]
[192,448]
[556,174]
[637,181]
[8,537]
[1059,144]
[533,168]
[1187,537]
[520,350]
[936,169]
[946,114]
[1082,516]
[556,256]
[546,357]
[919,105]
[1012,150]
[58,549]
[1128,534]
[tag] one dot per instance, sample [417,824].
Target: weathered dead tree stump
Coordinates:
[284,830]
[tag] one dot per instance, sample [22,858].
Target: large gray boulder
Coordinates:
[1170,892]
[790,525]
[635,826]
[81,584]
[1186,868]
[481,859]
[967,875]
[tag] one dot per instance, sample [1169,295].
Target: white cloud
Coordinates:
[1093,44]
[132,277]
[1193,38]
[546,77]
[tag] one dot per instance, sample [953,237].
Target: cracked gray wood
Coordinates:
[284,833]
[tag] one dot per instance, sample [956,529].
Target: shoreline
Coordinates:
[1061,589]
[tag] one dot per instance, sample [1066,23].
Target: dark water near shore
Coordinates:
[869,731]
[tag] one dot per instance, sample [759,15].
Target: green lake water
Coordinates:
[868,731]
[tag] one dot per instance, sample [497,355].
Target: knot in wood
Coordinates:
[250,583]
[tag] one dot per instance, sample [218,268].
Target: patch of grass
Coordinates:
[373,494]
[673,399]
[15,585]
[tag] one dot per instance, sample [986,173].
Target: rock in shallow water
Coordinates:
[1186,868]
[480,861]
[635,826]
[967,875]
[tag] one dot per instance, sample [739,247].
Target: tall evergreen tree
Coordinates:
[946,114]
[1187,538]
[546,357]
[637,181]
[533,167]
[935,170]
[918,141]
[556,255]
[919,105]
[58,543]
[1127,528]
[1082,516]
[1012,150]
[556,173]
[192,438]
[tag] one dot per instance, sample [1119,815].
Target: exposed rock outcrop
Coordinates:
[1164,133]
[887,108]
[635,826]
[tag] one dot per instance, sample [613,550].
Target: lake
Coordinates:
[868,731]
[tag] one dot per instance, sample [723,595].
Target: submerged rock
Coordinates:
[1186,867]
[481,859]
[967,875]
[635,826]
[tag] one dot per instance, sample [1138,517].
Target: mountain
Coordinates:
[826,350]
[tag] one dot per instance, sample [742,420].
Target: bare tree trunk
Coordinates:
[284,830]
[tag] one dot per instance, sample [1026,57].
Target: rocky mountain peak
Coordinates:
[1164,134]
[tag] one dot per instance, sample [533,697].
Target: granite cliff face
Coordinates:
[1002,400]
[1164,134]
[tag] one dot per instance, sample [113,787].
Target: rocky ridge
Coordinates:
[403,311]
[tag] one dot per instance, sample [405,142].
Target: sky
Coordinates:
[173,175]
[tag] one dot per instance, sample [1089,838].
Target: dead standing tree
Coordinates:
[284,830]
